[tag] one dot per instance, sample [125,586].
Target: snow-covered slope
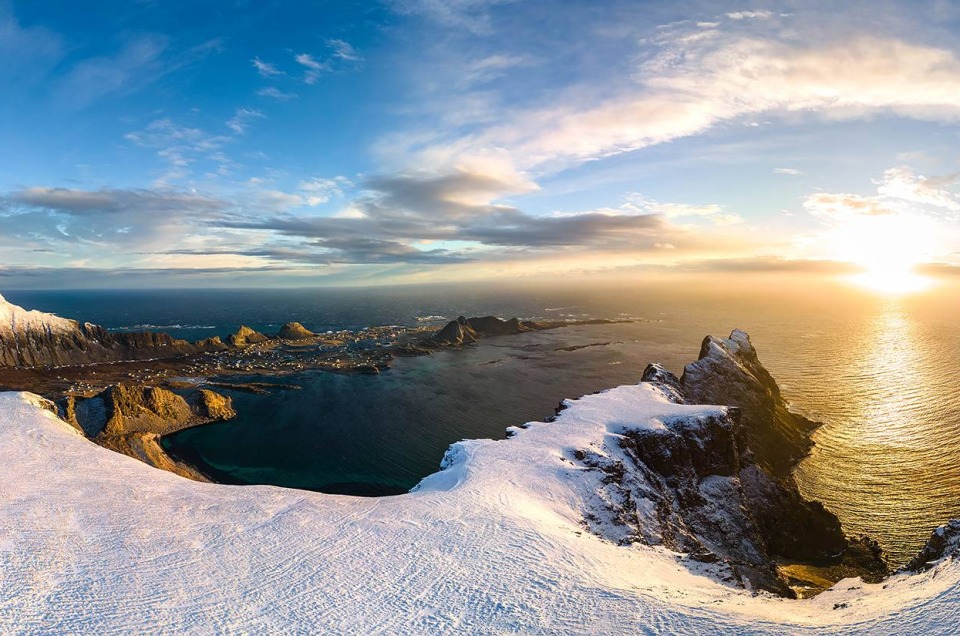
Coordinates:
[14,319]
[95,542]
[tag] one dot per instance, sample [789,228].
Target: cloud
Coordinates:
[35,277]
[695,80]
[793,172]
[180,147]
[470,15]
[750,15]
[638,204]
[908,221]
[313,66]
[899,192]
[901,183]
[275,93]
[139,62]
[838,206]
[266,69]
[768,264]
[343,50]
[317,190]
[27,53]
[80,223]
[396,215]
[242,119]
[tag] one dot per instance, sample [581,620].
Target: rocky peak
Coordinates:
[467,330]
[729,372]
[943,543]
[694,483]
[245,336]
[17,320]
[295,331]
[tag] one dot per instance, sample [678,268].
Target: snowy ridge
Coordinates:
[95,542]
[17,320]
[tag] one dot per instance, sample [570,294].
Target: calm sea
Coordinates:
[881,373]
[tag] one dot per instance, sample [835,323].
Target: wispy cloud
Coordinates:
[471,15]
[33,50]
[343,50]
[694,82]
[139,62]
[793,172]
[179,147]
[242,119]
[266,69]
[318,190]
[313,66]
[275,93]
[750,15]
[639,204]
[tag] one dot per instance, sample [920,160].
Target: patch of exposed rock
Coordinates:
[295,331]
[695,485]
[729,372]
[131,420]
[944,543]
[245,336]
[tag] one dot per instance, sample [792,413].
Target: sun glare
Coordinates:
[888,248]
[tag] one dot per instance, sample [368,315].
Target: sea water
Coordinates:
[880,373]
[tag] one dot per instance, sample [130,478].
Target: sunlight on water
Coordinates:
[880,371]
[886,459]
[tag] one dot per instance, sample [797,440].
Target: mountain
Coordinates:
[37,339]
[295,331]
[568,526]
[467,330]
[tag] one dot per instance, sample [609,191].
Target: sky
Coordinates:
[258,143]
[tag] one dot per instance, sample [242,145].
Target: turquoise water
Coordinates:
[879,372]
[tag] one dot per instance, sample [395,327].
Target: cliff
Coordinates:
[131,420]
[696,486]
[37,339]
[494,542]
[728,371]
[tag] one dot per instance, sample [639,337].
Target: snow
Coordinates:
[14,320]
[95,542]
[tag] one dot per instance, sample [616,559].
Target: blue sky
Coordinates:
[165,143]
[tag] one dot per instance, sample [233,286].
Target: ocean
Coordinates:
[880,373]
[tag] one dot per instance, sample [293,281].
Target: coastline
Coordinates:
[523,561]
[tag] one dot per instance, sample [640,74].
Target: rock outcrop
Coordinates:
[468,330]
[943,543]
[295,331]
[131,420]
[245,336]
[729,372]
[695,485]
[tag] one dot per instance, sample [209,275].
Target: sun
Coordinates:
[888,248]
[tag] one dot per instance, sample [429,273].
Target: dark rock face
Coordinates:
[295,331]
[729,372]
[943,543]
[467,330]
[696,486]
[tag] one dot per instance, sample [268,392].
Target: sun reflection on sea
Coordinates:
[879,459]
